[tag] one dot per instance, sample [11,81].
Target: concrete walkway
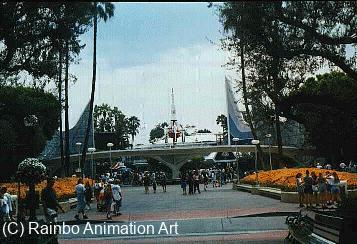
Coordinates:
[219,214]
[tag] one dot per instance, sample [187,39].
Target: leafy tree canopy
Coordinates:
[158,131]
[31,35]
[327,107]
[19,106]
[314,31]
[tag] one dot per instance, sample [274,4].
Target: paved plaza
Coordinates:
[218,215]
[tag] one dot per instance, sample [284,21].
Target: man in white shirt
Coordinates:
[117,197]
[4,204]
[8,199]
[81,202]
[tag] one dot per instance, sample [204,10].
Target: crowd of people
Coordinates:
[318,189]
[193,179]
[343,166]
[153,179]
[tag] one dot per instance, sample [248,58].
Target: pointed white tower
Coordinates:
[173,109]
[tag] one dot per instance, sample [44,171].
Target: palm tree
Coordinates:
[222,121]
[103,11]
[133,125]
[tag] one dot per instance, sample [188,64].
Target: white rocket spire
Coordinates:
[173,109]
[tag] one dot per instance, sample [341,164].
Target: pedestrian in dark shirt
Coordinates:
[308,181]
[183,183]
[163,181]
[49,202]
[190,183]
[88,194]
[196,182]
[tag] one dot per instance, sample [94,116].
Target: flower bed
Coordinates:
[64,187]
[285,178]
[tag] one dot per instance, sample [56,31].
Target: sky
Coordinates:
[143,52]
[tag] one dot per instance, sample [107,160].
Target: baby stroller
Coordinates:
[101,202]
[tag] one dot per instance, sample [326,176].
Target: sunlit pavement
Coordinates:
[216,216]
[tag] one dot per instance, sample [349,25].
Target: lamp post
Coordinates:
[269,136]
[256,142]
[236,140]
[79,170]
[109,144]
[91,150]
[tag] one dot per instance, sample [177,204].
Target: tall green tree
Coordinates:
[108,119]
[222,121]
[133,127]
[102,10]
[103,119]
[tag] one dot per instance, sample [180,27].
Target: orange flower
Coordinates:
[285,178]
[64,187]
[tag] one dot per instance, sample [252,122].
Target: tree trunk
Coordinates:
[245,98]
[69,170]
[91,104]
[277,89]
[278,133]
[60,115]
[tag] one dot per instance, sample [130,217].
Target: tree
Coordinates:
[222,121]
[19,141]
[269,75]
[104,11]
[326,106]
[33,33]
[158,131]
[133,127]
[103,118]
[313,31]
[108,119]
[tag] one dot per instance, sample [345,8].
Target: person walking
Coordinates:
[183,183]
[49,202]
[153,180]
[96,189]
[4,204]
[205,179]
[335,189]
[190,183]
[146,182]
[196,182]
[163,181]
[117,197]
[321,181]
[108,196]
[330,180]
[219,177]
[8,197]
[81,201]
[315,188]
[213,176]
[300,189]
[88,195]
[308,189]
